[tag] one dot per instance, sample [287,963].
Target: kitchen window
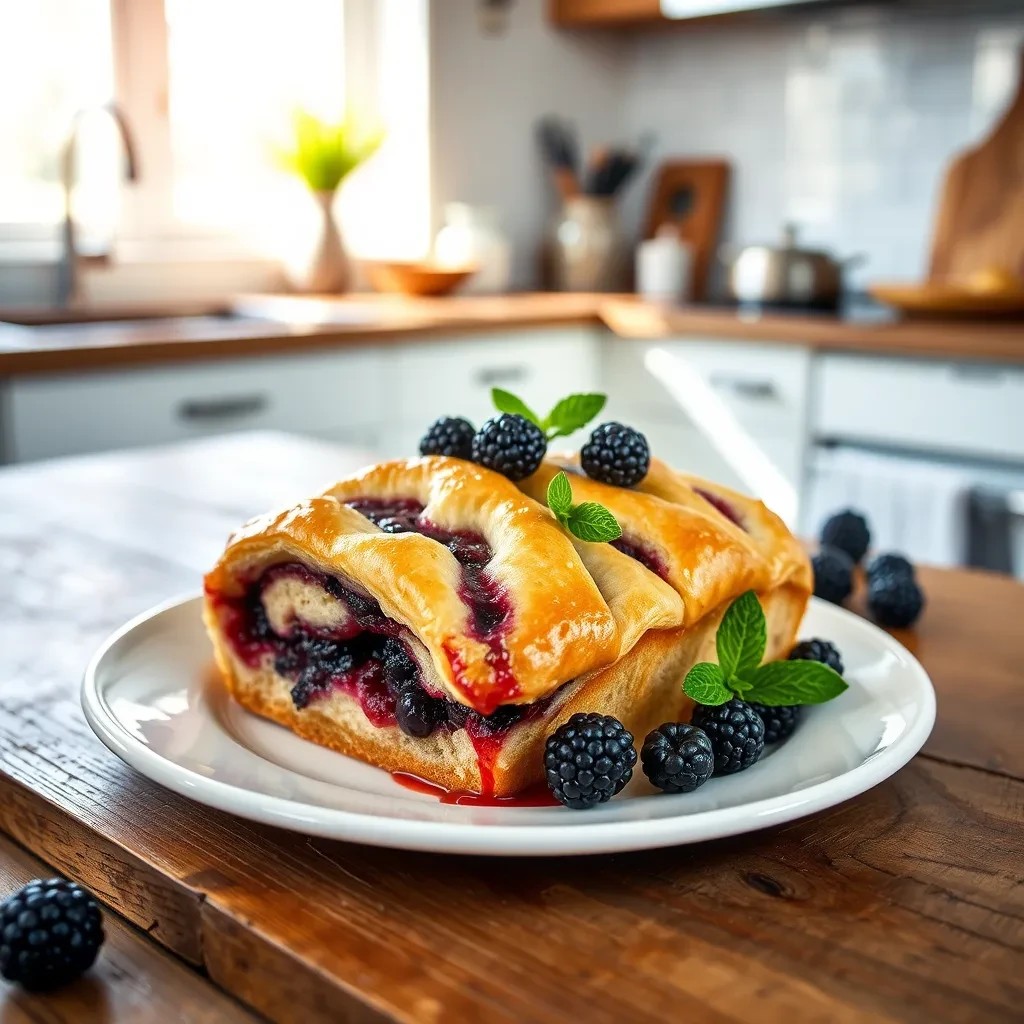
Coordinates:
[207,86]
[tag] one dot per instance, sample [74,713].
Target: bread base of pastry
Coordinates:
[642,690]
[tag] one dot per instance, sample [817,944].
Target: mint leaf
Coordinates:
[794,682]
[505,401]
[572,413]
[593,522]
[742,637]
[560,495]
[705,684]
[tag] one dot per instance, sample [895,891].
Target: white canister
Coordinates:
[473,235]
[664,267]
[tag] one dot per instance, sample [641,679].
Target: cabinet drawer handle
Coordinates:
[745,387]
[228,407]
[491,375]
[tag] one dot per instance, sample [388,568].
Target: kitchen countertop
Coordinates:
[378,319]
[904,903]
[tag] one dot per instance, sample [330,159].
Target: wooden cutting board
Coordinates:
[690,196]
[981,210]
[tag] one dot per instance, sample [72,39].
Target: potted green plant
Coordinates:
[323,153]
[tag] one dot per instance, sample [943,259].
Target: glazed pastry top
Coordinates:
[507,604]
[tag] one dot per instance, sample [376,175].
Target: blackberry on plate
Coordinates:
[890,564]
[833,575]
[450,435]
[736,732]
[895,600]
[779,722]
[677,757]
[418,713]
[616,455]
[588,760]
[511,445]
[818,650]
[848,531]
[50,932]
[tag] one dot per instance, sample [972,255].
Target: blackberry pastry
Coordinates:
[431,616]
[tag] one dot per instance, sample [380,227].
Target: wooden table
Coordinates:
[903,904]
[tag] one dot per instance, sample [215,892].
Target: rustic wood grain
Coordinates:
[132,980]
[904,904]
[27,351]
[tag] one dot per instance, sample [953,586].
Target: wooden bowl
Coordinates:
[416,278]
[938,300]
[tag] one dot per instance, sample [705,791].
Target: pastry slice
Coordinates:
[430,617]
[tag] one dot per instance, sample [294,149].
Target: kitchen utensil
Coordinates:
[937,299]
[689,195]
[980,222]
[785,275]
[416,278]
[150,697]
[558,144]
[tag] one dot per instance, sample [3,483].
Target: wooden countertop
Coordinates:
[902,904]
[376,319]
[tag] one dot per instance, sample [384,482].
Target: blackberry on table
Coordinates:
[818,650]
[779,722]
[50,933]
[677,757]
[616,455]
[890,564]
[588,760]
[511,445]
[833,575]
[895,600]
[848,531]
[736,732]
[449,435]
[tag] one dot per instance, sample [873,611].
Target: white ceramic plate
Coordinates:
[153,697]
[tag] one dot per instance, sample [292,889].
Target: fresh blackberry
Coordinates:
[511,445]
[890,564]
[895,600]
[848,531]
[616,455]
[450,435]
[833,575]
[588,760]
[677,757]
[779,722]
[736,733]
[818,650]
[50,932]
[417,712]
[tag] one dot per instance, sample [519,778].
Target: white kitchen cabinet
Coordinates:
[335,395]
[948,407]
[732,411]
[428,379]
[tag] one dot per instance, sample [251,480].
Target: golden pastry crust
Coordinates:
[588,627]
[559,624]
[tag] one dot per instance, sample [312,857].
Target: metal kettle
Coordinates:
[785,275]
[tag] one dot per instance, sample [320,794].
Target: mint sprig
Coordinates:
[740,643]
[590,521]
[568,415]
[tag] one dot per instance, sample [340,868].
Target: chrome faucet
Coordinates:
[71,260]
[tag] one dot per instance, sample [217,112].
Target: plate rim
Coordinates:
[500,839]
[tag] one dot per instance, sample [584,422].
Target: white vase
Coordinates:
[325,269]
[472,236]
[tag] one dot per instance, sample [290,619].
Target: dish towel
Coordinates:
[916,507]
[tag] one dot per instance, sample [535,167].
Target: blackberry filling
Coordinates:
[645,555]
[723,506]
[367,657]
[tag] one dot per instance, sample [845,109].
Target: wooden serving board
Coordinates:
[903,904]
[980,221]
